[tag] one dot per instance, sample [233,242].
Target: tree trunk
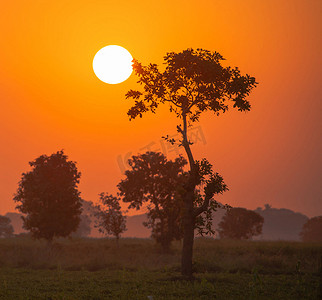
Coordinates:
[188,216]
[188,237]
[165,247]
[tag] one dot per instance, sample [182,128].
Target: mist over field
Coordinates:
[279,224]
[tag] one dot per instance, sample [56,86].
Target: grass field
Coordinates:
[98,269]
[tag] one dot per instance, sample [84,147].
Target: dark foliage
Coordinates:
[48,196]
[240,223]
[110,217]
[194,81]
[312,230]
[156,183]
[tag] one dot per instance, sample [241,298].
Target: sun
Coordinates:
[113,64]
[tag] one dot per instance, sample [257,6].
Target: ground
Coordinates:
[98,269]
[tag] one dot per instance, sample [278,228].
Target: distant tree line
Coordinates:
[49,199]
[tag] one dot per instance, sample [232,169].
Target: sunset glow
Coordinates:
[51,98]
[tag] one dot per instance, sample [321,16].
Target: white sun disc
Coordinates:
[113,64]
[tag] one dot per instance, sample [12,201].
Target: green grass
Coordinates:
[123,284]
[97,269]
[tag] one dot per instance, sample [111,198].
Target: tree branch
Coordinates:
[198,210]
[169,100]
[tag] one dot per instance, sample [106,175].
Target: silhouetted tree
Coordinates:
[193,82]
[49,198]
[312,230]
[155,182]
[240,223]
[267,206]
[110,217]
[6,229]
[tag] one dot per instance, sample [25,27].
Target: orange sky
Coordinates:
[51,99]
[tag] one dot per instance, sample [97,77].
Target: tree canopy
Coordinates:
[312,230]
[193,81]
[157,184]
[48,197]
[240,223]
[110,216]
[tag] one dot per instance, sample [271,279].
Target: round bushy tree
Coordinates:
[312,230]
[240,223]
[48,196]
